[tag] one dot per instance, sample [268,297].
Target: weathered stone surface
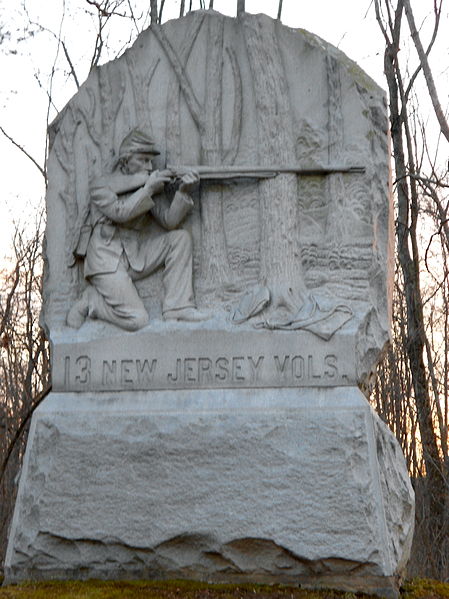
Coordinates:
[278,252]
[239,447]
[203,357]
[301,486]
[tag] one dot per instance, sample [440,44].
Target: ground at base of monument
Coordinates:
[175,589]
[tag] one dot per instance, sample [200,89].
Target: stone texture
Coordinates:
[260,459]
[217,91]
[300,486]
[203,357]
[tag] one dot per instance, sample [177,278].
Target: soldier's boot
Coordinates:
[187,314]
[78,312]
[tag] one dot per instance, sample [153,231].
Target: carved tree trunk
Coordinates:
[335,226]
[280,251]
[215,266]
[112,92]
[208,120]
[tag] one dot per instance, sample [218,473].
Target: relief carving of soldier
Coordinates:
[120,250]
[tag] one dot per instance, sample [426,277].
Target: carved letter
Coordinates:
[125,372]
[83,376]
[331,362]
[310,372]
[222,366]
[109,373]
[281,368]
[298,367]
[189,371]
[145,372]
[204,370]
[67,371]
[171,377]
[237,369]
[255,367]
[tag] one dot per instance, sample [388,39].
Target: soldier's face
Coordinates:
[139,162]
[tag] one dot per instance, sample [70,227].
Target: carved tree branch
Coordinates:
[238,107]
[174,91]
[187,88]
[89,118]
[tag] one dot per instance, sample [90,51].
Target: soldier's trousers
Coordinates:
[113,297]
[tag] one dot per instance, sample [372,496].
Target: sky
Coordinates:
[26,68]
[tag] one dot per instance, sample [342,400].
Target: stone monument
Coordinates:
[217,296]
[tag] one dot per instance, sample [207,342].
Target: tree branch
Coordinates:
[72,68]
[39,399]
[444,126]
[22,149]
[279,10]
[153,6]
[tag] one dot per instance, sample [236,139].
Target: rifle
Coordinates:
[260,172]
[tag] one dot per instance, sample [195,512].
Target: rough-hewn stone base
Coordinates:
[301,486]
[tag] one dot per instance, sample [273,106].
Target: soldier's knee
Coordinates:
[180,238]
[136,321]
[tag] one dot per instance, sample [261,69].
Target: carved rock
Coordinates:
[232,93]
[239,448]
[295,486]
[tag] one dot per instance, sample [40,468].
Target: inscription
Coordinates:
[128,373]
[206,371]
[202,371]
[81,371]
[305,367]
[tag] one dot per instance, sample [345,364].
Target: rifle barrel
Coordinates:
[262,172]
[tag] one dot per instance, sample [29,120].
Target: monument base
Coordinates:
[299,486]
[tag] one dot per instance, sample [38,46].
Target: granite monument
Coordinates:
[217,296]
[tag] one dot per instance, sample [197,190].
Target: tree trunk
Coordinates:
[153,11]
[335,226]
[215,267]
[406,241]
[280,251]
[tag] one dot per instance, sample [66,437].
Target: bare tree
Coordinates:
[154,15]
[417,410]
[24,363]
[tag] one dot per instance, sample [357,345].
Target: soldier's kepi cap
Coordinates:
[137,142]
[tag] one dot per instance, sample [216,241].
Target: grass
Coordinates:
[177,589]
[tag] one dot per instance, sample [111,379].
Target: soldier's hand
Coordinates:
[157,180]
[188,181]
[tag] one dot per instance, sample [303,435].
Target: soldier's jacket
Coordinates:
[118,225]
